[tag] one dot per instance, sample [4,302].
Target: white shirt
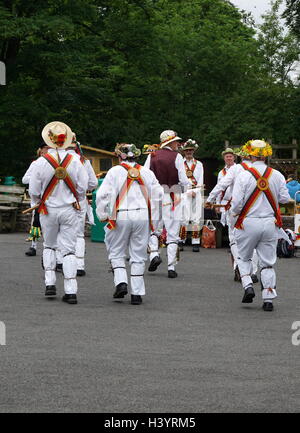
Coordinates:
[227,180]
[43,172]
[134,199]
[244,186]
[26,177]
[198,172]
[92,179]
[228,193]
[179,164]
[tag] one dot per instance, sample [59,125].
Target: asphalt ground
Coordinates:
[192,346]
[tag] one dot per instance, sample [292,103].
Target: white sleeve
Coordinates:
[35,184]
[238,194]
[92,179]
[157,191]
[199,176]
[179,164]
[223,183]
[82,181]
[26,177]
[283,195]
[104,196]
[147,162]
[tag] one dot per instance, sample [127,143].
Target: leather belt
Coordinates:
[138,208]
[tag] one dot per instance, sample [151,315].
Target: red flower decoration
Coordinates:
[61,139]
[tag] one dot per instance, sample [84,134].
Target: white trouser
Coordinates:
[227,219]
[171,219]
[259,234]
[60,220]
[132,233]
[80,241]
[192,213]
[230,221]
[59,257]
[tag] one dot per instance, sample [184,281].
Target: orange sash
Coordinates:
[245,166]
[262,185]
[224,172]
[123,192]
[194,182]
[54,181]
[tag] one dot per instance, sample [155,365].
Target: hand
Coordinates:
[189,193]
[208,205]
[76,205]
[103,216]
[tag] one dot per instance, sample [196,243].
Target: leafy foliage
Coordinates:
[125,70]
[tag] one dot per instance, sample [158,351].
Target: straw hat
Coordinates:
[57,135]
[167,136]
[227,150]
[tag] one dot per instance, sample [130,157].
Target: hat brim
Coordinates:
[47,140]
[170,141]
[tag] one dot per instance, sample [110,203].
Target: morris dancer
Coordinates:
[130,190]
[168,167]
[84,212]
[226,183]
[256,196]
[192,203]
[57,184]
[35,231]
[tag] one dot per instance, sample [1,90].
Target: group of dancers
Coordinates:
[139,202]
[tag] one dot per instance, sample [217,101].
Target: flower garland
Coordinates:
[257,151]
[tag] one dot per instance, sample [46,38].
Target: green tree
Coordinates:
[279,48]
[292,15]
[124,70]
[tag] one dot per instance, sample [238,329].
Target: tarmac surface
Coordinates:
[192,346]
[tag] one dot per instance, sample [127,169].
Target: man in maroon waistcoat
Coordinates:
[168,167]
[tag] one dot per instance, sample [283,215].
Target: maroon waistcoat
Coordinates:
[163,165]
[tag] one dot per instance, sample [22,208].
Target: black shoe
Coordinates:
[31,252]
[237,276]
[80,272]
[50,291]
[136,299]
[180,245]
[196,249]
[172,274]
[248,295]
[254,278]
[70,299]
[59,267]
[267,306]
[121,291]
[155,262]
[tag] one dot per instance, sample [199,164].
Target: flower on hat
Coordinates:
[190,144]
[149,148]
[125,150]
[257,148]
[169,137]
[57,139]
